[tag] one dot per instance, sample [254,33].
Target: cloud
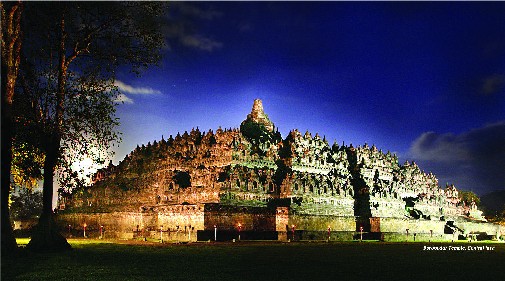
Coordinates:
[200,42]
[245,27]
[180,27]
[493,84]
[178,33]
[193,11]
[124,88]
[122,98]
[431,146]
[127,89]
[473,160]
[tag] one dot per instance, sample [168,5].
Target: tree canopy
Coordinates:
[71,54]
[26,204]
[468,197]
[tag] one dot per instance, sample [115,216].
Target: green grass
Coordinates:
[116,260]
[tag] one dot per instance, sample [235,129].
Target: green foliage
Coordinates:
[25,204]
[468,197]
[94,39]
[27,164]
[71,52]
[89,129]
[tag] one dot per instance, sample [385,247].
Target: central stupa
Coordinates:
[258,116]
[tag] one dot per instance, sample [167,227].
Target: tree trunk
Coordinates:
[8,240]
[11,56]
[47,237]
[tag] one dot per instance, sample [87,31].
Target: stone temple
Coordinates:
[252,183]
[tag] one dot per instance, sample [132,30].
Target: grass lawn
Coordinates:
[116,260]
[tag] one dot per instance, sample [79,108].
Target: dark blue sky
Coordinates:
[424,80]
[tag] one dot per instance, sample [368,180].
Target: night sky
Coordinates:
[423,80]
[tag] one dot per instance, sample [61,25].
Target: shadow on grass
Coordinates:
[254,261]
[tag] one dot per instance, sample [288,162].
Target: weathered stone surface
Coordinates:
[233,218]
[322,222]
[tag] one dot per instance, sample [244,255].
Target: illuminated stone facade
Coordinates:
[253,178]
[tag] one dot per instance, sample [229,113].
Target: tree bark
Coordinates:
[8,240]
[47,237]
[11,56]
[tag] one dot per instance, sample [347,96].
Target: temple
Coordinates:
[250,183]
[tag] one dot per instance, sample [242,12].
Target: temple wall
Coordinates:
[424,226]
[489,228]
[321,222]
[227,217]
[414,226]
[426,237]
[181,217]
[116,224]
[181,222]
[175,219]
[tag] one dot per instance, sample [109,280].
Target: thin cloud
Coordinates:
[125,88]
[191,10]
[201,43]
[245,27]
[180,27]
[431,146]
[473,160]
[122,98]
